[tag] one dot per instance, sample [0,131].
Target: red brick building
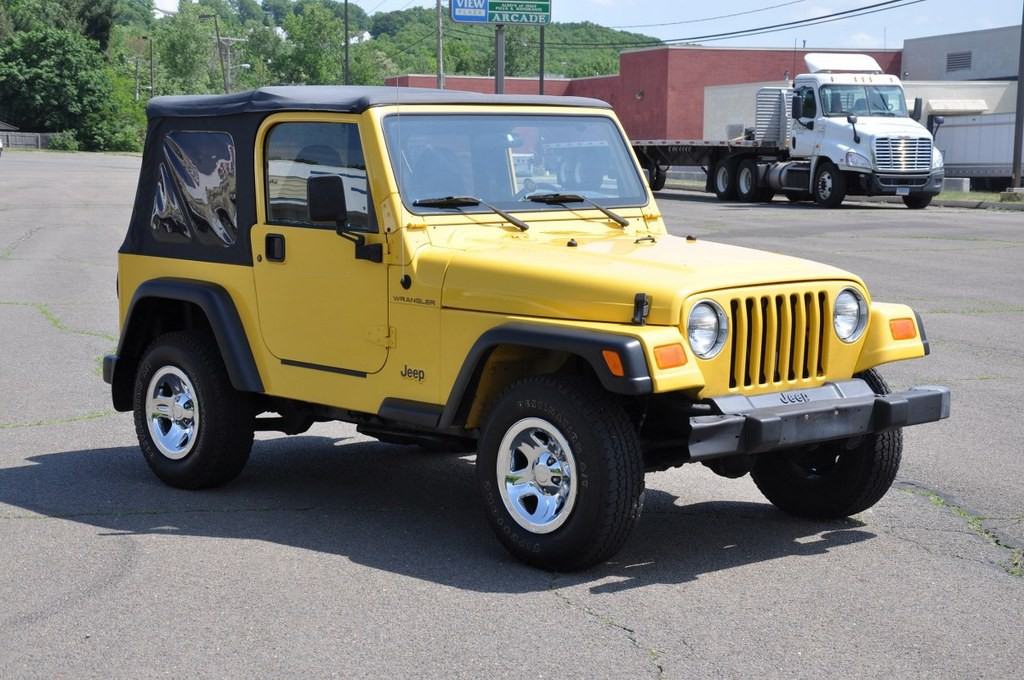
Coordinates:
[658,92]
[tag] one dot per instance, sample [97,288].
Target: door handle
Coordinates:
[274,247]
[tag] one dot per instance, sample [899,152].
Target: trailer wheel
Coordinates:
[725,180]
[829,185]
[658,175]
[747,181]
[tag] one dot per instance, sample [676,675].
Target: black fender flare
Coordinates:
[585,343]
[222,315]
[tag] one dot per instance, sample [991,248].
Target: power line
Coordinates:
[720,16]
[885,6]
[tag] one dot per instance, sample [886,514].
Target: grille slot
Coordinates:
[903,153]
[778,339]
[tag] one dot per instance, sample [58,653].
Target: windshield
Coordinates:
[504,159]
[863,100]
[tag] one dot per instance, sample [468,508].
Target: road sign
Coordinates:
[534,12]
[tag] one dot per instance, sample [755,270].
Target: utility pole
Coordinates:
[440,48]
[1018,126]
[346,43]
[136,79]
[220,48]
[152,69]
[542,58]
[499,59]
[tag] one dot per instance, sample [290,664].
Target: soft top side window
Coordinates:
[297,151]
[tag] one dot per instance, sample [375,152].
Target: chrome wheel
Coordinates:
[536,475]
[172,412]
[825,185]
[722,178]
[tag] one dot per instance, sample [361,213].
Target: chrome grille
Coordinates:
[778,339]
[903,153]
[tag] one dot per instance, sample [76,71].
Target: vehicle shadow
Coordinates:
[397,509]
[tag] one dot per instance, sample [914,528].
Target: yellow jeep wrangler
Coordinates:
[490,274]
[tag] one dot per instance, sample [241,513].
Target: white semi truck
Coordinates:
[842,129]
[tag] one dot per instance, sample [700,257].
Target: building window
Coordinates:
[297,151]
[958,61]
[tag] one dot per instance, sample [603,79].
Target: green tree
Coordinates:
[52,80]
[317,44]
[187,51]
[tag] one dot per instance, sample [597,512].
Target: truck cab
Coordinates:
[851,121]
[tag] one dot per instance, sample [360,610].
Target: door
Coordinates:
[319,306]
[807,140]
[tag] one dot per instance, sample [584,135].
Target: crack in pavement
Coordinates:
[55,321]
[9,250]
[92,415]
[653,655]
[138,513]
[1014,563]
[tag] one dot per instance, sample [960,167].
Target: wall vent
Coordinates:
[958,61]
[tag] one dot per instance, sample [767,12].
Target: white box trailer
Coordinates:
[842,129]
[978,146]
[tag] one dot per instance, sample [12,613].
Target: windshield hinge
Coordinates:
[381,335]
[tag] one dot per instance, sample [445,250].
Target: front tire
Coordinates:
[194,429]
[833,479]
[560,472]
[829,185]
[917,201]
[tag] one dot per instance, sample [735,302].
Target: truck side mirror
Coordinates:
[940,120]
[796,106]
[325,196]
[918,109]
[851,119]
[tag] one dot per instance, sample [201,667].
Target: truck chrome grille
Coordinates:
[903,154]
[778,339]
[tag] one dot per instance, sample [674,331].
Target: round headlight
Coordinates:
[850,315]
[707,328]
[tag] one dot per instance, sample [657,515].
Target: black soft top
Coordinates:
[340,99]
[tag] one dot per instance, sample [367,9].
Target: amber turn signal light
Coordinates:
[670,356]
[903,329]
[614,362]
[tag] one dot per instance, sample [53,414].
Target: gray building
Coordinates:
[990,54]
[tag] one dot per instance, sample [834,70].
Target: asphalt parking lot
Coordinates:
[334,555]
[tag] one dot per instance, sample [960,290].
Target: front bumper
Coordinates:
[893,184]
[784,420]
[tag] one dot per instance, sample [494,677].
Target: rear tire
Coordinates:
[194,429]
[560,472]
[747,177]
[829,185]
[659,175]
[724,180]
[833,479]
[917,201]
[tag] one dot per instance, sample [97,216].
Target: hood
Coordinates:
[598,279]
[881,126]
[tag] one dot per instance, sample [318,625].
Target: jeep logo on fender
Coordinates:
[417,374]
[794,398]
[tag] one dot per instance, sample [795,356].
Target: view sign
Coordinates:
[535,12]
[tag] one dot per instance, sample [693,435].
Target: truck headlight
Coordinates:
[856,160]
[850,315]
[707,329]
[937,161]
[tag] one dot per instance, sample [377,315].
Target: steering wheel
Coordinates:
[531,187]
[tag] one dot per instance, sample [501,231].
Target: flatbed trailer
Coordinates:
[657,155]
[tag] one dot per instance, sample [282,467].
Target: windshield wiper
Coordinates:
[466,202]
[558,199]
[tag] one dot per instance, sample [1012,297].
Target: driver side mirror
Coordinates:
[918,109]
[796,106]
[852,119]
[325,196]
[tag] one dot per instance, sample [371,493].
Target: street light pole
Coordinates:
[346,44]
[440,49]
[542,59]
[152,69]
[499,59]
[1018,127]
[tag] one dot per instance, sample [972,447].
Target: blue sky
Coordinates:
[888,29]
